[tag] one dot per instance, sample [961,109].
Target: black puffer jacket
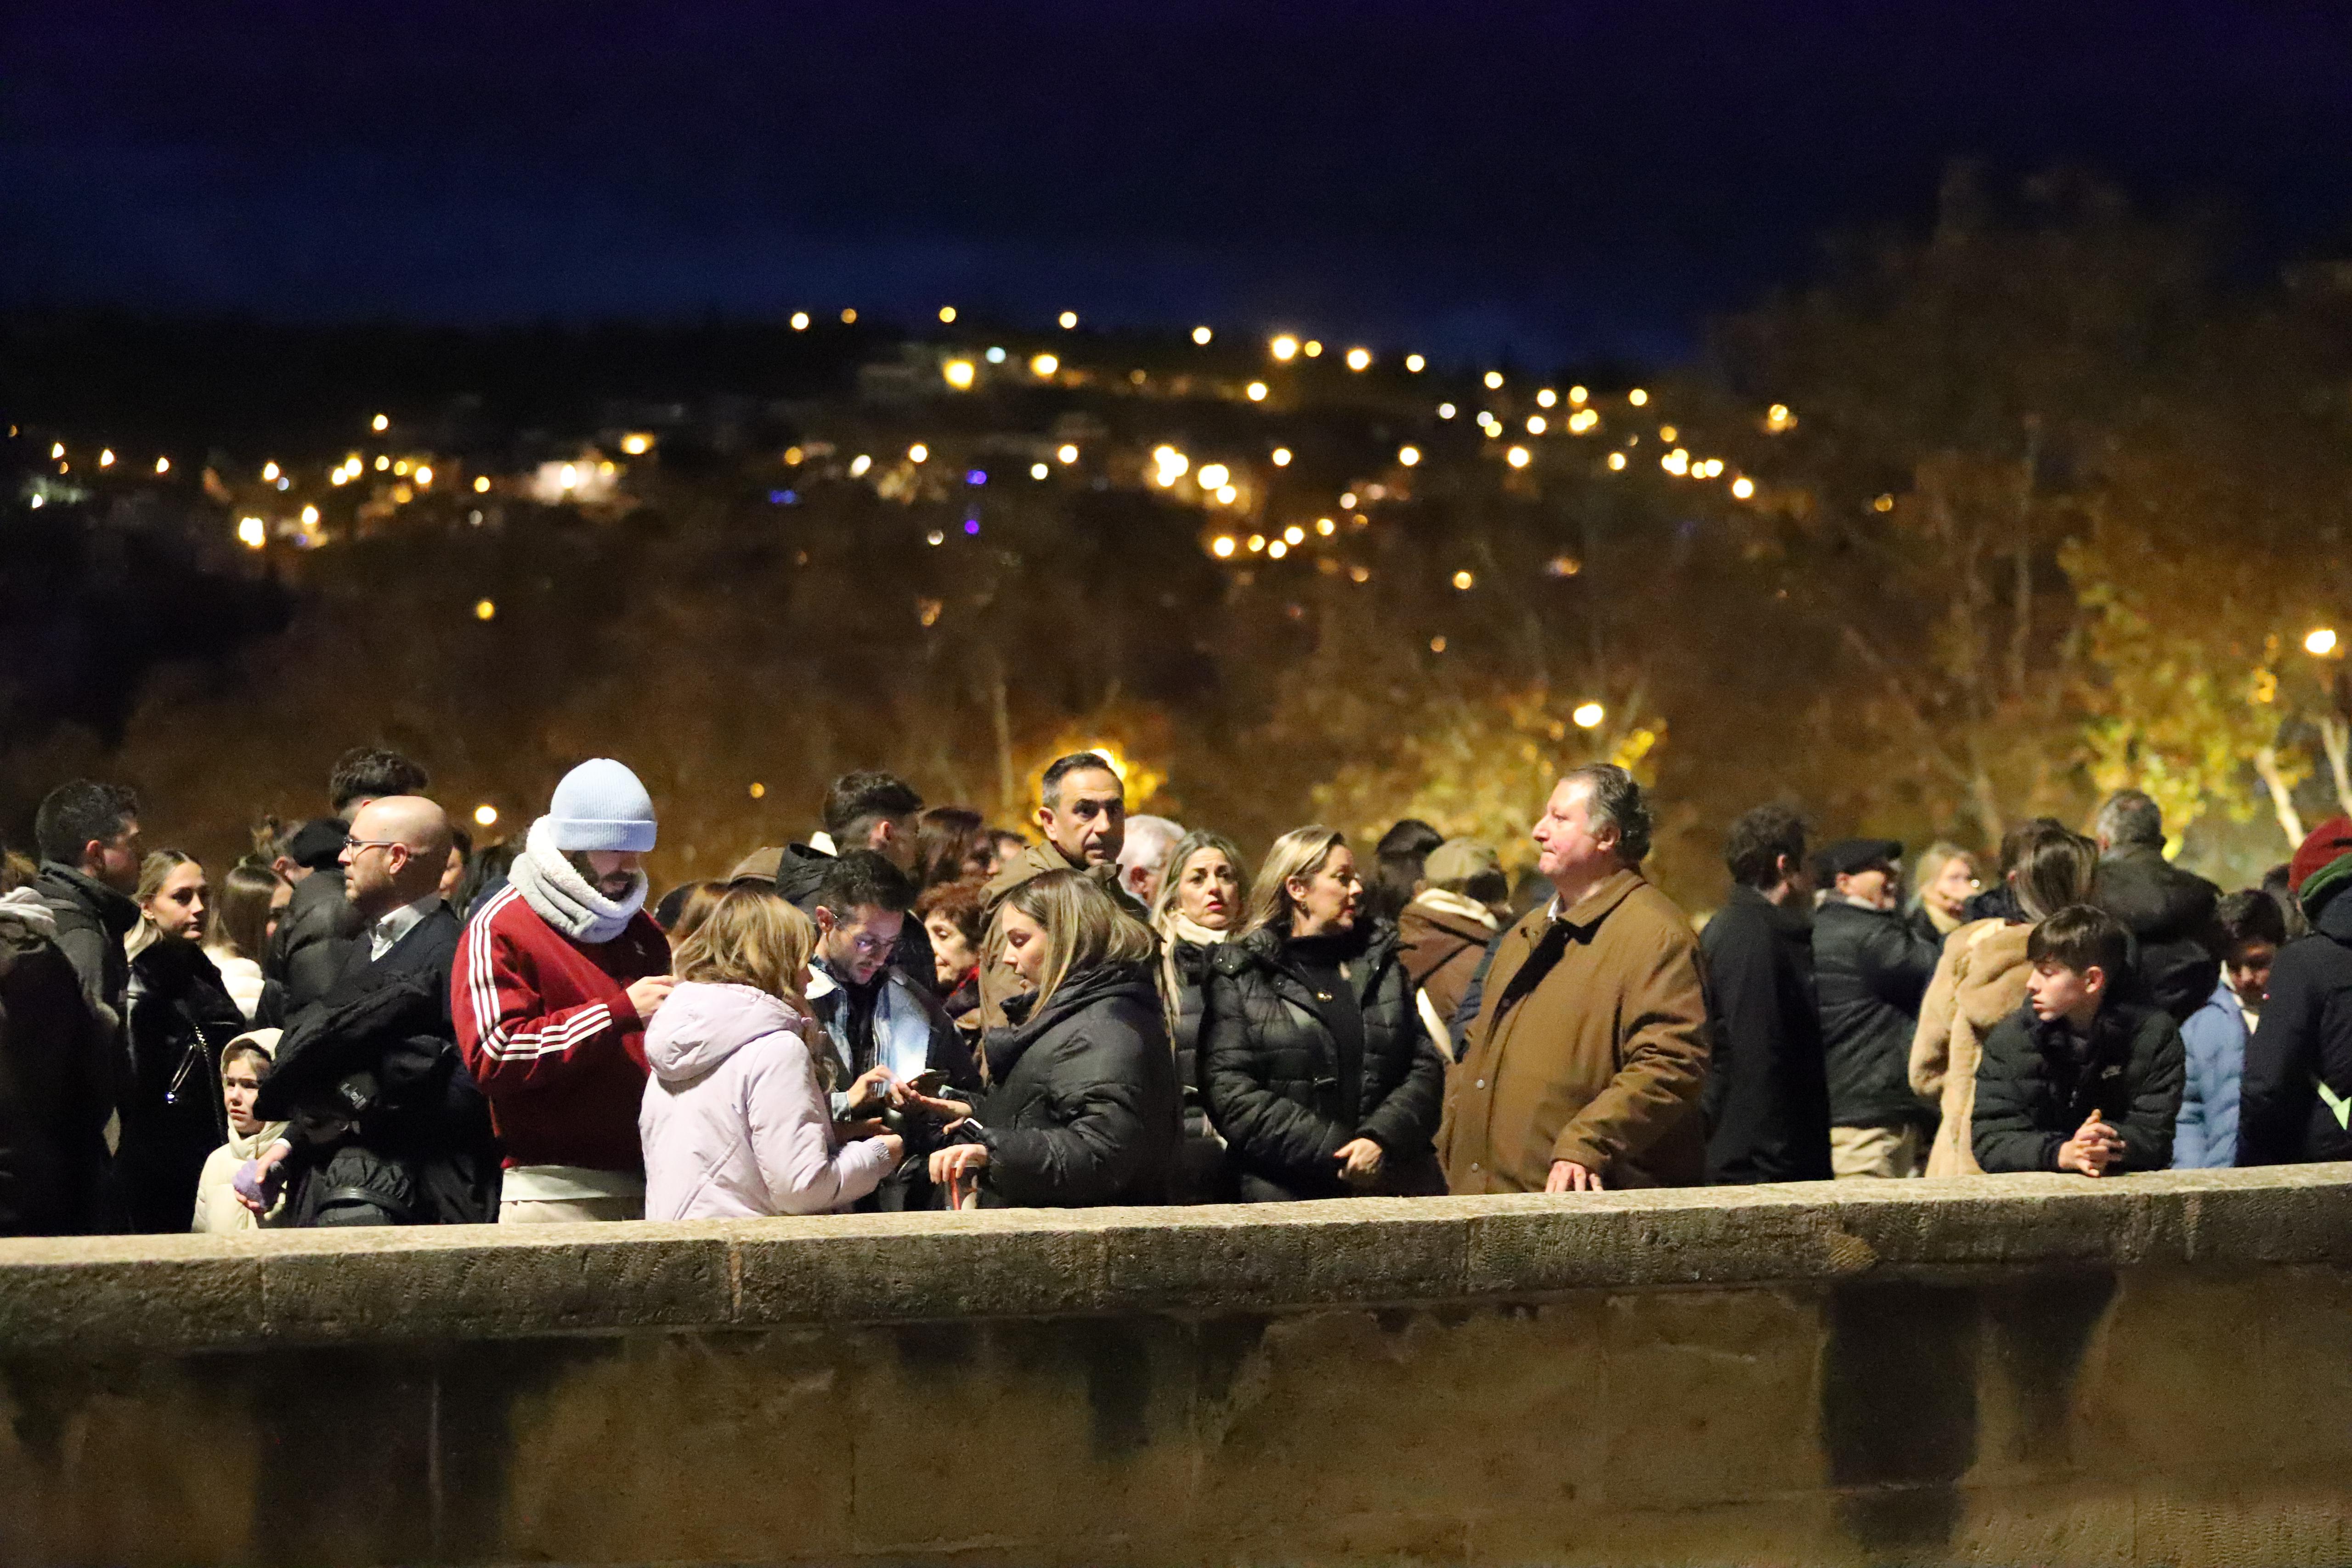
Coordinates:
[179,1016]
[1085,1109]
[56,1088]
[1202,1174]
[1281,1084]
[1870,970]
[2169,913]
[2305,1041]
[2037,1084]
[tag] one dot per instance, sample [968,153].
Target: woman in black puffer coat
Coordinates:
[1083,1110]
[180,1015]
[1199,906]
[1318,1070]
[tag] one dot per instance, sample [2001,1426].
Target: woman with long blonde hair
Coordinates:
[1083,1110]
[1198,908]
[735,1121]
[181,1018]
[1318,1069]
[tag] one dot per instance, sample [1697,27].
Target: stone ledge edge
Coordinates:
[108,1294]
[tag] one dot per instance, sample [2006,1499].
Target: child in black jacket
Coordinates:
[2075,1081]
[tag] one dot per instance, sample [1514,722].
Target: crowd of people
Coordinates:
[372,1020]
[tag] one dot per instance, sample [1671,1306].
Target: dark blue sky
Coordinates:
[1555,178]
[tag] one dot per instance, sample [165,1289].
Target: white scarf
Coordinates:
[1459,904]
[253,1147]
[31,908]
[563,898]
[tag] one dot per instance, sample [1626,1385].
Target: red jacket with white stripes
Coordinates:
[548,1033]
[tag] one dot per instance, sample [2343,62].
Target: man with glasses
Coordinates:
[384,1125]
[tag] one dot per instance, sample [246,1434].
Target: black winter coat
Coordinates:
[2036,1086]
[92,920]
[180,1016]
[1281,1087]
[388,1127]
[1870,969]
[2169,913]
[2304,1041]
[313,942]
[56,1090]
[1767,1097]
[1085,1110]
[1202,1174]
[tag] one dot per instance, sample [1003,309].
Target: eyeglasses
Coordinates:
[355,845]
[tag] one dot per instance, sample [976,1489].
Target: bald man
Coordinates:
[392,866]
[384,1126]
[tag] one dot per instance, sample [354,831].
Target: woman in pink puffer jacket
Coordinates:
[735,1122]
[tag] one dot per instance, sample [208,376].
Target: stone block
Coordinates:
[1252,1257]
[1709,1397]
[489,1282]
[1040,1433]
[1415,1412]
[897,1267]
[704,1447]
[100,1294]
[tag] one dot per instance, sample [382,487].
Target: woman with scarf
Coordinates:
[556,976]
[181,1019]
[1083,1110]
[1319,1070]
[1199,906]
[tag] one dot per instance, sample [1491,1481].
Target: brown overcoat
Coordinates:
[1600,1060]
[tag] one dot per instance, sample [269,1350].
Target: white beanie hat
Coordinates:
[601,805]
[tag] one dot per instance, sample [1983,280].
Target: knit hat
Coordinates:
[600,805]
[1848,856]
[1455,861]
[2322,866]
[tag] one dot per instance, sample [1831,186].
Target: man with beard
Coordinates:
[553,983]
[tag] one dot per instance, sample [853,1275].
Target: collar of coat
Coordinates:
[1598,900]
[1263,949]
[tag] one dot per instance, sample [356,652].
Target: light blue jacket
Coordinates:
[2215,1035]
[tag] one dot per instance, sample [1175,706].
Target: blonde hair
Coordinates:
[752,936]
[1298,852]
[153,872]
[1084,928]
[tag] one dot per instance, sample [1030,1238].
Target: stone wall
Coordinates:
[2012,1370]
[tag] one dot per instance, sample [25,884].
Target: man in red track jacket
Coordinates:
[555,978]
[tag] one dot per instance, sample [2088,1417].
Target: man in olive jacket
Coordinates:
[1584,1066]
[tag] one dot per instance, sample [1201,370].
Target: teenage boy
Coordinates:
[2076,1079]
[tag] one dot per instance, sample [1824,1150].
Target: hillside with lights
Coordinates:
[1927,548]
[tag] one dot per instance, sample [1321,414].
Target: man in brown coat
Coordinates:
[1083,814]
[1584,1065]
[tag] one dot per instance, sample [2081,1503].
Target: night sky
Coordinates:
[1542,179]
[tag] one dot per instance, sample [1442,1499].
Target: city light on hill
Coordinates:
[1069,319]
[1283,348]
[1201,335]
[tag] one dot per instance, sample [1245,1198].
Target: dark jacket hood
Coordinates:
[1025,1023]
[799,871]
[115,911]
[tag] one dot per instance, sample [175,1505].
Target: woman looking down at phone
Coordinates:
[1084,1109]
[735,1120]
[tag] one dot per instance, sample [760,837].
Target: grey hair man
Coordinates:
[2169,911]
[1143,859]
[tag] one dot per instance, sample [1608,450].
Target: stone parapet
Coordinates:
[174,1292]
[2022,1369]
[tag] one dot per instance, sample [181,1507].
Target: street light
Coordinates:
[1588,716]
[2321,643]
